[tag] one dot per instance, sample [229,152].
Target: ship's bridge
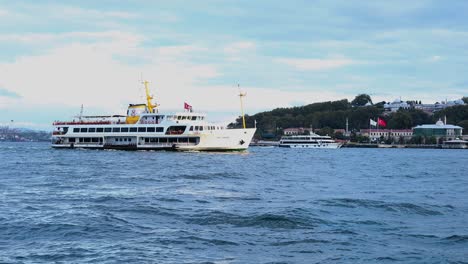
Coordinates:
[186,116]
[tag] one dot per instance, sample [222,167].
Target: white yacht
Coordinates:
[309,141]
[144,128]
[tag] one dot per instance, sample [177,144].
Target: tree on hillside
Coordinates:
[464,124]
[361,100]
[400,120]
[465,99]
[454,114]
[326,131]
[418,117]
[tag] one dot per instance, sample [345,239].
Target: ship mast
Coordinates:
[149,104]
[241,95]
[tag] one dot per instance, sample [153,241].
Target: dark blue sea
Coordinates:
[267,205]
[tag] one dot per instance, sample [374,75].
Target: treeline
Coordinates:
[333,114]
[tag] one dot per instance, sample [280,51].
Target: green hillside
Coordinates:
[332,115]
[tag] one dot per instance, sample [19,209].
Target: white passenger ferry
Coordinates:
[144,128]
[309,141]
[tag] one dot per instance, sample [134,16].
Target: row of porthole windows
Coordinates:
[118,129]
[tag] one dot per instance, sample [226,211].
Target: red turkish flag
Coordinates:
[381,122]
[187,106]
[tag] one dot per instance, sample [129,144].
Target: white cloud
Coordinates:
[61,38]
[239,51]
[434,58]
[4,13]
[69,11]
[316,64]
[92,74]
[238,47]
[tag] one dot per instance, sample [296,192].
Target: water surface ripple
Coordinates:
[269,205]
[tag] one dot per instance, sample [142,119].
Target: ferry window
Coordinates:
[76,130]
[201,128]
[179,118]
[172,140]
[99,129]
[129,140]
[191,128]
[87,140]
[81,139]
[183,140]
[107,129]
[142,129]
[146,140]
[159,129]
[184,118]
[133,129]
[194,118]
[163,140]
[150,129]
[124,129]
[83,130]
[192,140]
[116,129]
[71,140]
[94,139]
[92,129]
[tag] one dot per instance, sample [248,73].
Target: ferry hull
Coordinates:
[216,140]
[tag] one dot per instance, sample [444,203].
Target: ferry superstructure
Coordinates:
[308,141]
[144,128]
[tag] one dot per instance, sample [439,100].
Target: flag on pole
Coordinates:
[187,107]
[372,122]
[381,122]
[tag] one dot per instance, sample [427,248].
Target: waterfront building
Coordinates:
[396,134]
[438,130]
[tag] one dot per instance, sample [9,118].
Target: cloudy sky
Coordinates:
[57,55]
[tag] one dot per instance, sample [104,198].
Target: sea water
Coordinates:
[266,205]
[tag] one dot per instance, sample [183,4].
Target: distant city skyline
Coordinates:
[56,56]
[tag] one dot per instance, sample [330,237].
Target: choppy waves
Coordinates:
[271,206]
